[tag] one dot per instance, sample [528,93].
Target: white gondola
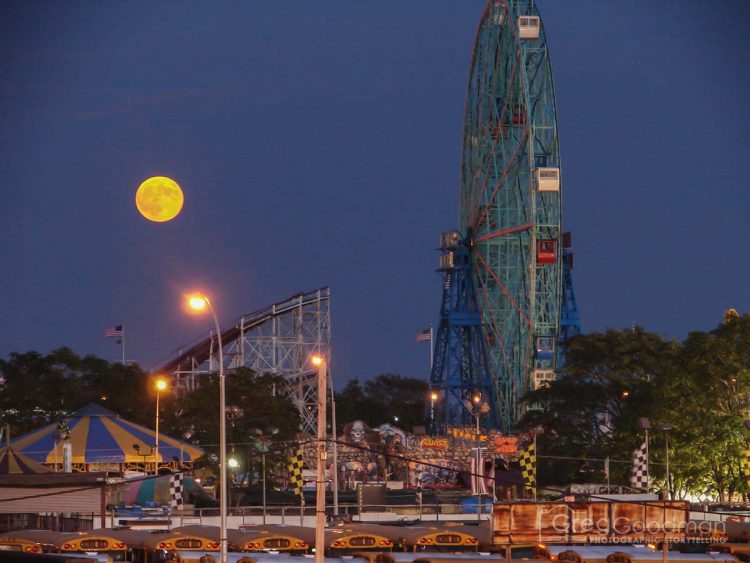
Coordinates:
[528,27]
[547,179]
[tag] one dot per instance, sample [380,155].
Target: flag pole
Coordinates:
[536,468]
[122,342]
[431,349]
[648,469]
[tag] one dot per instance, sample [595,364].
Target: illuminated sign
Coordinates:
[506,445]
[434,443]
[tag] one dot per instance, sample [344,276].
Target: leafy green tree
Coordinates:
[707,400]
[382,400]
[607,383]
[253,402]
[40,389]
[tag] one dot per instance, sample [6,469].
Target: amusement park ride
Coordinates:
[279,339]
[508,299]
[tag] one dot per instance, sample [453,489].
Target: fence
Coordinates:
[57,522]
[296,515]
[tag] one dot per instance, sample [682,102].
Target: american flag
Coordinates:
[424,335]
[113,332]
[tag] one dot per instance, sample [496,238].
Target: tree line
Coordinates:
[39,389]
[700,388]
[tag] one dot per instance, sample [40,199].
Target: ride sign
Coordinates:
[434,443]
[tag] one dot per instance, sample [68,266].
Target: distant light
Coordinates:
[395,419]
[161,384]
[625,394]
[317,360]
[433,396]
[477,398]
[233,463]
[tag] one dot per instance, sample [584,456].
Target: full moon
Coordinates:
[159,199]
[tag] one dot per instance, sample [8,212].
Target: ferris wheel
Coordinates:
[510,210]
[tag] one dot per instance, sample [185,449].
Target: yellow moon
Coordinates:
[159,199]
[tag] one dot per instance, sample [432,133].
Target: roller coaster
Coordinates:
[278,339]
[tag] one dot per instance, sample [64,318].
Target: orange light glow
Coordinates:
[317,360]
[197,302]
[433,396]
[161,384]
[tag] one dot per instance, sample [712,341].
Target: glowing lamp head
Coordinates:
[161,384]
[476,399]
[317,360]
[233,463]
[433,396]
[197,302]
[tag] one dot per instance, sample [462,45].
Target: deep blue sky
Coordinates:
[318,143]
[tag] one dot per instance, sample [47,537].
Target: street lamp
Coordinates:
[320,491]
[264,445]
[433,398]
[477,408]
[666,428]
[200,303]
[160,384]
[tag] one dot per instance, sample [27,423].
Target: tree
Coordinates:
[40,389]
[607,383]
[253,402]
[708,402]
[384,399]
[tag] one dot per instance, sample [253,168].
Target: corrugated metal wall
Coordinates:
[31,499]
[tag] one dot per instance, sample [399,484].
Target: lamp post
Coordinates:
[200,303]
[477,408]
[320,491]
[433,398]
[160,384]
[264,445]
[666,428]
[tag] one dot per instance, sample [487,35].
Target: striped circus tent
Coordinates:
[99,436]
[13,463]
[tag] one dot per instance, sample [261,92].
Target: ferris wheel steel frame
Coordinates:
[510,129]
[279,339]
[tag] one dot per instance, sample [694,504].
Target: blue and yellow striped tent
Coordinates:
[101,436]
[12,463]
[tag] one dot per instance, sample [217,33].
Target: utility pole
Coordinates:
[320,485]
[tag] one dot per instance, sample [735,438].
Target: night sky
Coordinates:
[318,143]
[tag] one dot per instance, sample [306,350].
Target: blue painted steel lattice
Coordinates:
[461,359]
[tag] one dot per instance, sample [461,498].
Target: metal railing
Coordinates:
[293,515]
[56,522]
